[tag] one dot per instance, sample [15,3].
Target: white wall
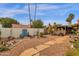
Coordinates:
[0,25]
[15,32]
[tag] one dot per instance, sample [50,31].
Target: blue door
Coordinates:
[24,33]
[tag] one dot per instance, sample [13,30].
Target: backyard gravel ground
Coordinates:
[55,49]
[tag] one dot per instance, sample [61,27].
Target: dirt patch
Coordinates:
[56,50]
[28,43]
[25,43]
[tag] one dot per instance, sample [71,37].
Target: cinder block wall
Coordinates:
[15,32]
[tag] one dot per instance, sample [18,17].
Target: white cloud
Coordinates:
[43,7]
[47,7]
[61,13]
[12,12]
[40,7]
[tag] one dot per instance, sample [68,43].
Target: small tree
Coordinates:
[7,25]
[7,22]
[37,24]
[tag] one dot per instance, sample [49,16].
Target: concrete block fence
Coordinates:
[15,32]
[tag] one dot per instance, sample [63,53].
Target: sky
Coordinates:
[47,12]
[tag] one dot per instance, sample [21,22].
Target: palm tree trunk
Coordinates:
[69,23]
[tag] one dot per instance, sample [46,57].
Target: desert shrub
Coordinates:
[0,34]
[41,34]
[72,52]
[3,48]
[75,43]
[50,30]
[75,50]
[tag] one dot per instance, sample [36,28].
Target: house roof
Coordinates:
[20,26]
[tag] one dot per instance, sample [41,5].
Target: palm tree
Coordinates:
[55,25]
[69,19]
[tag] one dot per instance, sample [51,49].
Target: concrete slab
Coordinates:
[50,42]
[29,52]
[38,54]
[35,51]
[41,47]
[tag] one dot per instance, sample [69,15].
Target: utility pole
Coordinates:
[29,10]
[29,14]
